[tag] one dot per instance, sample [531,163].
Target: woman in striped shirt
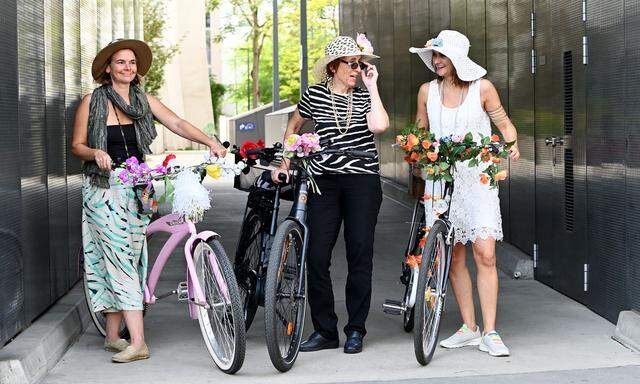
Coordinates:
[347,117]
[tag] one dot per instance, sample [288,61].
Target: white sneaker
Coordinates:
[463,337]
[492,343]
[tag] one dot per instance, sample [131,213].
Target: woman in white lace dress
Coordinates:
[457,102]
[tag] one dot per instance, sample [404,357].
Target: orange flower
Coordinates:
[411,261]
[500,175]
[432,156]
[495,138]
[431,171]
[426,144]
[423,241]
[426,197]
[415,157]
[484,151]
[468,150]
[418,258]
[484,179]
[496,160]
[407,159]
[412,141]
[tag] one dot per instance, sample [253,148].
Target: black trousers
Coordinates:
[354,199]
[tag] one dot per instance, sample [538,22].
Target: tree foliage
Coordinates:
[153,18]
[322,26]
[217,94]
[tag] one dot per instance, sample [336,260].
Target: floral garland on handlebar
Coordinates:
[437,158]
[300,147]
[188,197]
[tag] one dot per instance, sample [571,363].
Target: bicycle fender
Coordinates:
[204,236]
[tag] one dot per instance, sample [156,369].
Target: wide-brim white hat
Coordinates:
[455,46]
[342,46]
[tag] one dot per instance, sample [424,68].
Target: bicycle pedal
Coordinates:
[393,307]
[182,291]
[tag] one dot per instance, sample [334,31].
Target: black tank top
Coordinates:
[116,145]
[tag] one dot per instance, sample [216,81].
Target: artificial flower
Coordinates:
[495,138]
[484,179]
[167,160]
[364,44]
[500,175]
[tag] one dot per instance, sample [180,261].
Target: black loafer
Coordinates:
[317,342]
[354,342]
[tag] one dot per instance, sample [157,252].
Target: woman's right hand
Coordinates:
[278,171]
[103,159]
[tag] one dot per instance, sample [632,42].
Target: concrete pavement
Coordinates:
[552,338]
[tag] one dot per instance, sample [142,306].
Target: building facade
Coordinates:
[565,71]
[45,68]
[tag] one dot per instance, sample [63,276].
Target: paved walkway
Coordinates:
[552,338]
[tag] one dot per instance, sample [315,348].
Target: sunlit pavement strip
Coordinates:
[545,330]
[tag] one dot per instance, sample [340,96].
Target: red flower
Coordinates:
[167,159]
[247,145]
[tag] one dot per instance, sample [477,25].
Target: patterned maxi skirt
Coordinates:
[115,247]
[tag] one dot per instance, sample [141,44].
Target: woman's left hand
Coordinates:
[369,75]
[514,152]
[217,149]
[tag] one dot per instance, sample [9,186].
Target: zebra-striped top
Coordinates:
[316,104]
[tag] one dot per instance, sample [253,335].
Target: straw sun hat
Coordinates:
[140,48]
[455,46]
[343,46]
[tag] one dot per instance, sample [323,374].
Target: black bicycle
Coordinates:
[270,262]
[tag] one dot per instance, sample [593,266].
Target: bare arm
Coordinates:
[492,105]
[79,139]
[422,119]
[377,118]
[183,128]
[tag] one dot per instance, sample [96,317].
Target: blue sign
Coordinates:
[248,126]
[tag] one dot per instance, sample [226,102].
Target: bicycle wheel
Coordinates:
[430,298]
[284,309]
[408,316]
[413,248]
[246,265]
[221,324]
[99,319]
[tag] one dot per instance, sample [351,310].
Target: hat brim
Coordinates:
[466,68]
[144,57]
[320,67]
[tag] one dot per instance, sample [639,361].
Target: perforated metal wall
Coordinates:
[577,201]
[48,46]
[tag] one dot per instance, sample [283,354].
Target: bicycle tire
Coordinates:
[98,318]
[430,290]
[283,267]
[231,308]
[246,264]
[408,318]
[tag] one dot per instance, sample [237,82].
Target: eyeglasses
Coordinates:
[355,64]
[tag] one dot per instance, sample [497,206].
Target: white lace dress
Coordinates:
[475,207]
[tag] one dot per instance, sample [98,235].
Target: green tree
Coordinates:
[322,26]
[217,94]
[254,15]
[153,15]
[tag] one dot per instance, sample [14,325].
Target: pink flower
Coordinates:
[310,143]
[292,142]
[457,138]
[364,44]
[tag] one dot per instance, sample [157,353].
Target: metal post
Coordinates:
[276,74]
[303,42]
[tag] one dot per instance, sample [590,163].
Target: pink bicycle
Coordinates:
[210,288]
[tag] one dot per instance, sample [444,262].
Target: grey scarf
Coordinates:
[138,110]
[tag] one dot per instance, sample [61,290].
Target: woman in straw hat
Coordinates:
[112,124]
[347,117]
[457,102]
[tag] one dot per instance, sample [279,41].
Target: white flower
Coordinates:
[364,43]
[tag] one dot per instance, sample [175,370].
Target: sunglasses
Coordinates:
[355,64]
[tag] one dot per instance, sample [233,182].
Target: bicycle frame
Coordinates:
[179,229]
